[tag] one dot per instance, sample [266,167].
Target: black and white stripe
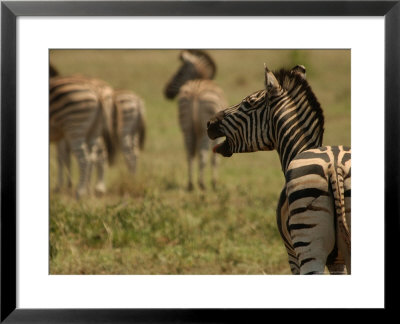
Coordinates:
[129,125]
[199,98]
[313,212]
[79,116]
[318,189]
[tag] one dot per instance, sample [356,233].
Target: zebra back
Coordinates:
[73,107]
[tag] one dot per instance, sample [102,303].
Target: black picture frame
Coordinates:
[10,10]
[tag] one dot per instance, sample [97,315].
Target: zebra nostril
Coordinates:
[208,124]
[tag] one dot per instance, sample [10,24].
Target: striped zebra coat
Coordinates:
[80,113]
[314,211]
[199,98]
[129,125]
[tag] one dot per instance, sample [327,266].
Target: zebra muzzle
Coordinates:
[223,148]
[213,130]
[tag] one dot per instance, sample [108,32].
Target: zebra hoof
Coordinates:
[100,189]
[80,193]
[190,187]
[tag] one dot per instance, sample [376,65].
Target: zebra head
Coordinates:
[237,123]
[196,64]
[252,124]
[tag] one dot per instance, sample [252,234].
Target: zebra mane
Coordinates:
[200,54]
[288,79]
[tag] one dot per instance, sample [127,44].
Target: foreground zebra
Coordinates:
[313,213]
[199,99]
[129,125]
[80,112]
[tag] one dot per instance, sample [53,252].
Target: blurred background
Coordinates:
[148,223]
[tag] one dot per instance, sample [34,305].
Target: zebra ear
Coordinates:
[186,56]
[271,83]
[300,70]
[182,55]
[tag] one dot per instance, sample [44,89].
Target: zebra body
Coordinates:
[199,98]
[318,190]
[313,213]
[78,123]
[129,125]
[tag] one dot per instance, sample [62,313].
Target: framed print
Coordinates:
[71,256]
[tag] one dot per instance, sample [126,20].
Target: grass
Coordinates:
[148,223]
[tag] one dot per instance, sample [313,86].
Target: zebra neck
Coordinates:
[296,129]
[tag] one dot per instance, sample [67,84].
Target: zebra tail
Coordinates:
[337,183]
[108,137]
[142,128]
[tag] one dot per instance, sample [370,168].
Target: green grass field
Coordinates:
[148,223]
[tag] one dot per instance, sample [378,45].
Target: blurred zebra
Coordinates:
[199,99]
[313,213]
[80,121]
[129,125]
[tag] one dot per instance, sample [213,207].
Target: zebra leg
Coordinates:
[190,146]
[282,213]
[202,163]
[99,159]
[67,160]
[335,262]
[312,233]
[203,155]
[336,269]
[214,165]
[190,159]
[343,246]
[61,160]
[344,249]
[81,151]
[129,146]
